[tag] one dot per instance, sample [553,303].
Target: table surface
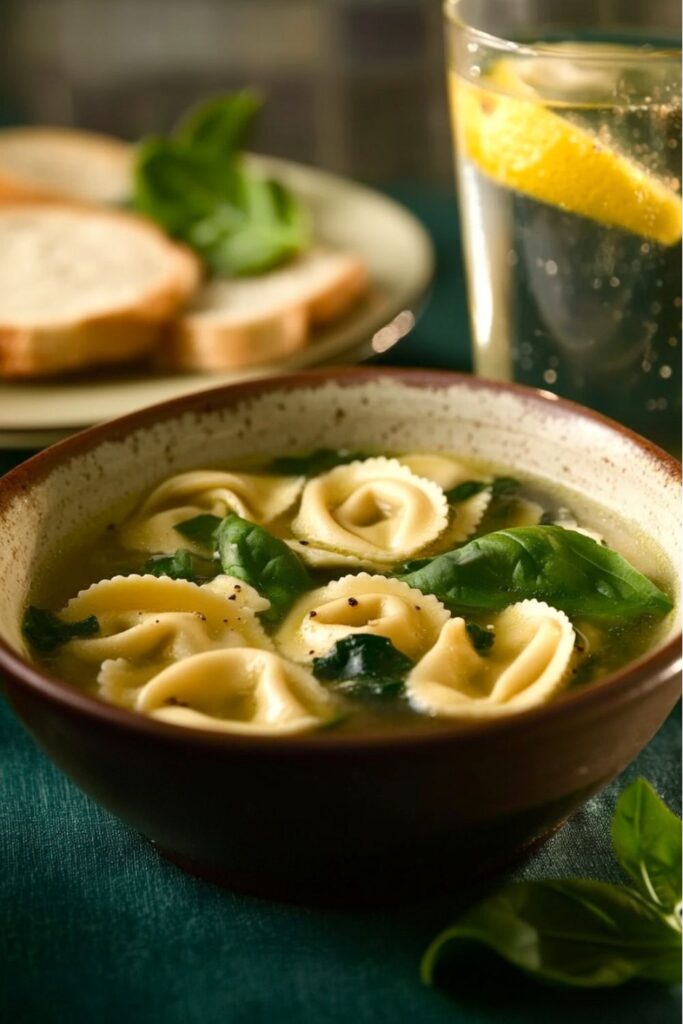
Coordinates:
[95,927]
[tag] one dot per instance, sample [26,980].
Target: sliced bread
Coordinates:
[251,320]
[81,286]
[63,163]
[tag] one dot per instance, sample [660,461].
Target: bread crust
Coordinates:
[17,187]
[117,335]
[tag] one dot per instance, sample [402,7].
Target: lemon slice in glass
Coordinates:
[520,143]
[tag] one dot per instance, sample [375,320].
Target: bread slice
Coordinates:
[245,321]
[64,163]
[81,286]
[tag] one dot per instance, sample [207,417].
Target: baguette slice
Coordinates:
[81,286]
[246,321]
[63,164]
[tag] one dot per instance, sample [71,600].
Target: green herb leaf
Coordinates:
[201,529]
[44,631]
[574,932]
[504,487]
[466,489]
[482,639]
[221,124]
[265,562]
[647,842]
[563,567]
[179,566]
[364,665]
[319,461]
[194,185]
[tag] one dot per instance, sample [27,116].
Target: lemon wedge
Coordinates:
[520,143]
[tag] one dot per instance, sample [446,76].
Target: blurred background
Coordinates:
[353,86]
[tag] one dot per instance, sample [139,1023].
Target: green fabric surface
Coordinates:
[96,927]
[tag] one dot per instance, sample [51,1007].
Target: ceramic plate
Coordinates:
[393,244]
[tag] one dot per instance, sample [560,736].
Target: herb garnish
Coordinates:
[565,568]
[502,486]
[584,933]
[196,187]
[481,638]
[45,631]
[201,529]
[254,555]
[319,461]
[182,565]
[364,665]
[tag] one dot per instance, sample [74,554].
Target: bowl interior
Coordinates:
[612,480]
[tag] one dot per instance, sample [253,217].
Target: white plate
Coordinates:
[394,245]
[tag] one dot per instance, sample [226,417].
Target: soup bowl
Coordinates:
[328,815]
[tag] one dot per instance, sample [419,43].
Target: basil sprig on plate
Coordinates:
[195,185]
[583,933]
[563,567]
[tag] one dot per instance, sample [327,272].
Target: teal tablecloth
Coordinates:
[95,927]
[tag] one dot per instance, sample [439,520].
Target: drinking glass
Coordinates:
[567,138]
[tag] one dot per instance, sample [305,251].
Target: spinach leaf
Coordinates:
[564,568]
[504,487]
[364,665]
[482,639]
[466,489]
[201,529]
[179,566]
[252,554]
[195,186]
[647,842]
[44,631]
[573,932]
[318,461]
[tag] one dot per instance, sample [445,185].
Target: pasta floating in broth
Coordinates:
[362,593]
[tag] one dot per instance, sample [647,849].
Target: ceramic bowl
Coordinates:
[340,816]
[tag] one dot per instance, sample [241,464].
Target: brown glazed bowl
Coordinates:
[330,815]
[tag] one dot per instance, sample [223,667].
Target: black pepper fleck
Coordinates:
[353,602]
[312,615]
[232,597]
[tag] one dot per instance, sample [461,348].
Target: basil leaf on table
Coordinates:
[318,461]
[573,932]
[647,841]
[265,562]
[364,665]
[568,570]
[201,529]
[195,186]
[45,632]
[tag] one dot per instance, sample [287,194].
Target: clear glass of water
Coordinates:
[568,148]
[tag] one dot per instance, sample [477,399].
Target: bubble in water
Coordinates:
[646,365]
[645,248]
[665,372]
[475,71]
[655,307]
[549,376]
[551,268]
[672,341]
[597,284]
[472,47]
[614,282]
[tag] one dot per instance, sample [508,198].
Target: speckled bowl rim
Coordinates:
[639,678]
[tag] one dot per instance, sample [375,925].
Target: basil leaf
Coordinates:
[194,185]
[44,631]
[504,486]
[482,639]
[201,529]
[179,566]
[564,568]
[265,562]
[412,565]
[466,489]
[574,932]
[364,665]
[319,461]
[647,842]
[221,124]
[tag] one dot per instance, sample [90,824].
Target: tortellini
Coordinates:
[375,508]
[257,497]
[147,622]
[241,690]
[448,473]
[361,604]
[529,663]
